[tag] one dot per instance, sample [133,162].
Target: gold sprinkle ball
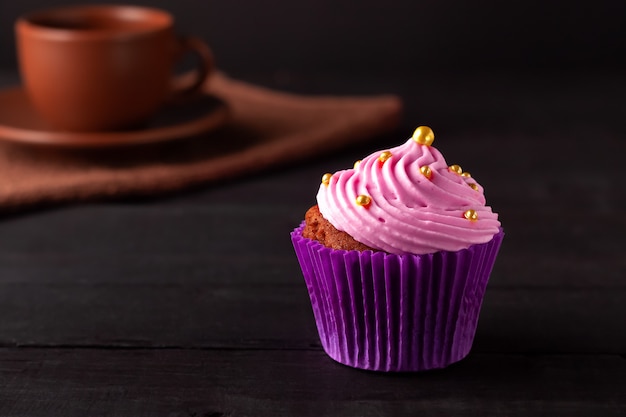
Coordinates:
[473,186]
[456,168]
[384,156]
[357,163]
[466,174]
[471,215]
[326,179]
[363,200]
[426,171]
[424,135]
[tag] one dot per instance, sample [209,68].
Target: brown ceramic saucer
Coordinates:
[20,123]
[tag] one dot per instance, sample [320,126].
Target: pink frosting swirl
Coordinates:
[408,211]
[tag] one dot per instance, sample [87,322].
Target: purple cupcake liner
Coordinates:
[385,312]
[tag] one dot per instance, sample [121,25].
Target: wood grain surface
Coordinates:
[247,382]
[193,304]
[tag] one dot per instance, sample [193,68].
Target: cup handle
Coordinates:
[191,83]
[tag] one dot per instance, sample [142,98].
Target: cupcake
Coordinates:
[396,255]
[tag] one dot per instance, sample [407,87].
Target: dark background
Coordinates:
[163,309]
[392,36]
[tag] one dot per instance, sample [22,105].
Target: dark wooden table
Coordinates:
[194,304]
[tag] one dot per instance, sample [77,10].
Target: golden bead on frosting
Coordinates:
[384,156]
[424,135]
[471,215]
[363,200]
[326,179]
[473,186]
[426,171]
[466,174]
[456,168]
[357,163]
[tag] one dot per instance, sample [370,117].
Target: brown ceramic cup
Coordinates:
[103,67]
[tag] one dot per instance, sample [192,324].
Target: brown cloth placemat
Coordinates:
[267,128]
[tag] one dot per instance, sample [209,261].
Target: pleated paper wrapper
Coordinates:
[385,312]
